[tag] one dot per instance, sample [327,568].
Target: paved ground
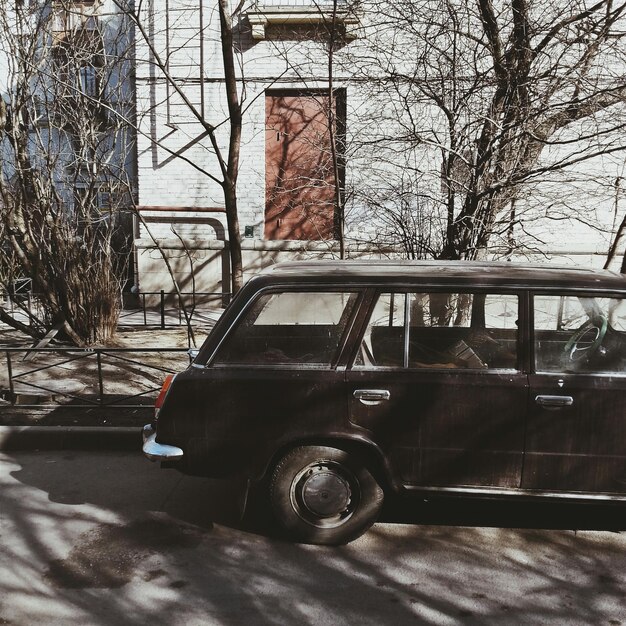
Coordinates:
[109,538]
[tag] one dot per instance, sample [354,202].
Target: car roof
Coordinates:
[477,272]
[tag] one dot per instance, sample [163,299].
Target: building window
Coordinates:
[89,81]
[70,17]
[78,51]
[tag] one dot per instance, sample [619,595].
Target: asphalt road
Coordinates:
[109,538]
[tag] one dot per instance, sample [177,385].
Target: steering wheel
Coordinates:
[587,339]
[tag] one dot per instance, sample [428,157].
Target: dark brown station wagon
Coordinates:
[336,382]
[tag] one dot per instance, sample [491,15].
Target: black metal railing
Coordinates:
[86,377]
[190,308]
[161,309]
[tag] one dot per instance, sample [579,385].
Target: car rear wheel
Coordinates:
[324,495]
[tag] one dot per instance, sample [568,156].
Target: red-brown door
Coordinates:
[299,172]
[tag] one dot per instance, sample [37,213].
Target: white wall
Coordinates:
[546,224]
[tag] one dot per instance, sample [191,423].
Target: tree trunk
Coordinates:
[231,171]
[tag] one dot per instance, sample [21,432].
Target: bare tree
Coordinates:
[64,181]
[620,230]
[487,104]
[152,29]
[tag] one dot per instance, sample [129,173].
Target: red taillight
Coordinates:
[164,389]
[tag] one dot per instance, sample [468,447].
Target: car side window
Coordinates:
[575,333]
[451,330]
[288,327]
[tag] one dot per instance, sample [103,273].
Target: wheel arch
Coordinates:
[366,450]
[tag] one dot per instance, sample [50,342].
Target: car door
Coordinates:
[576,439]
[274,377]
[438,387]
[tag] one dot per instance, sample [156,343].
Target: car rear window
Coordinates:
[288,327]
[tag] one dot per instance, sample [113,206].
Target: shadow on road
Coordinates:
[109,534]
[202,501]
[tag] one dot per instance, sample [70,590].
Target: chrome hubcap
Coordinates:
[325,493]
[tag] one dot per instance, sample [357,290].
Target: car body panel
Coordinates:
[446,428]
[456,431]
[580,447]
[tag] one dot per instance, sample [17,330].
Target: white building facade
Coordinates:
[373,148]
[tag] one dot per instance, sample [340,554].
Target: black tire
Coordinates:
[324,495]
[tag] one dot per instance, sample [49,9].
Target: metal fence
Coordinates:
[154,309]
[112,378]
[163,309]
[20,301]
[86,377]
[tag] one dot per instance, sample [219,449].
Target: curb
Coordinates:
[22,438]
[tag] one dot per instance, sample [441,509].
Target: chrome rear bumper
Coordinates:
[158,451]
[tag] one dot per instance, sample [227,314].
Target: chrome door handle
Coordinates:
[554,401]
[371,396]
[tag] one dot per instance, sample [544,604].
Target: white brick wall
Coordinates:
[168,181]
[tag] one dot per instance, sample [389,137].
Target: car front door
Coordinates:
[576,439]
[437,387]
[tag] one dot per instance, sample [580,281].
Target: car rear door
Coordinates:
[273,378]
[438,386]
